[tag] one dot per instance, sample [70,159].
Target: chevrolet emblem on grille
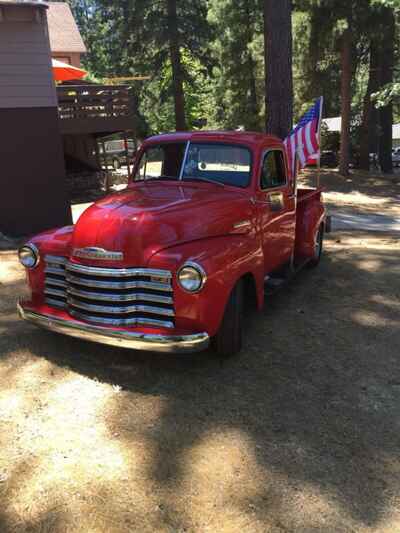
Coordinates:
[98,253]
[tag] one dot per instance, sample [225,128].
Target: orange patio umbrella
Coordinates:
[64,72]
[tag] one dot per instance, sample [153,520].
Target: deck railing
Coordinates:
[86,102]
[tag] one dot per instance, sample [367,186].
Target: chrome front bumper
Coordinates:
[123,339]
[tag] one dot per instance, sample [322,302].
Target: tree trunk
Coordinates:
[369,118]
[346,64]
[386,76]
[278,67]
[176,63]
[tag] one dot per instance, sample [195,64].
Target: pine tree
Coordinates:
[162,34]
[238,86]
[346,44]
[161,39]
[369,121]
[386,65]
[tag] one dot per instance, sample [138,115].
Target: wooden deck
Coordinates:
[95,109]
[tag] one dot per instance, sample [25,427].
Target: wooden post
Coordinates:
[319,171]
[319,140]
[106,165]
[105,161]
[97,152]
[127,155]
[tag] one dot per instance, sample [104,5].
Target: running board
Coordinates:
[274,283]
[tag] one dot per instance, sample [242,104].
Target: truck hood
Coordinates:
[146,218]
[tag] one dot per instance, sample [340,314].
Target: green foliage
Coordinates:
[390,93]
[157,103]
[222,54]
[238,78]
[95,29]
[130,37]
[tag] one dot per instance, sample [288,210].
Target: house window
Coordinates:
[63,59]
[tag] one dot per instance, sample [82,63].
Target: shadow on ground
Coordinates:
[299,432]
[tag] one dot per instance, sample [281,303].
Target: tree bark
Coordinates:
[278,67]
[176,63]
[386,77]
[346,64]
[368,134]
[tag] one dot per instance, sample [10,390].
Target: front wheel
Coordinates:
[228,340]
[318,247]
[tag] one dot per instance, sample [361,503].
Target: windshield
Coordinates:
[216,162]
[163,161]
[222,163]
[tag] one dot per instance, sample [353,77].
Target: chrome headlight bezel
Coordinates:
[192,268]
[32,252]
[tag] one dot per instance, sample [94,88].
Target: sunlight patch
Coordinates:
[371,319]
[69,451]
[11,271]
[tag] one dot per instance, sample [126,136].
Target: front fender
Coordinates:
[225,260]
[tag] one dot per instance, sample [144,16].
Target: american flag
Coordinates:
[304,140]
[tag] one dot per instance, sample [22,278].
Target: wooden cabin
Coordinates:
[49,135]
[32,172]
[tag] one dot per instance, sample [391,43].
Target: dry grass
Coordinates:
[361,192]
[298,433]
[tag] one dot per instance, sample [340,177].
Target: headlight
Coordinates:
[192,277]
[29,256]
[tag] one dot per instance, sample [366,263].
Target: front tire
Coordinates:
[228,340]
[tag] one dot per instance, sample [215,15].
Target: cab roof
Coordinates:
[240,137]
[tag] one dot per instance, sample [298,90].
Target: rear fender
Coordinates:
[225,261]
[310,216]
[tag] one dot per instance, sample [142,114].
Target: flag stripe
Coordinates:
[314,138]
[307,133]
[293,153]
[303,141]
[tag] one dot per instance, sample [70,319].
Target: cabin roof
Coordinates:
[63,31]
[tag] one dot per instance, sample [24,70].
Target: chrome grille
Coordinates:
[111,296]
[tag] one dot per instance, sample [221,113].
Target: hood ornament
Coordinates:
[98,253]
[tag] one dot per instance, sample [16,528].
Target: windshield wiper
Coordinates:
[200,178]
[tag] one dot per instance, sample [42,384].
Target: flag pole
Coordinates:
[319,139]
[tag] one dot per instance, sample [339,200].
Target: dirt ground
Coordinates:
[361,193]
[300,432]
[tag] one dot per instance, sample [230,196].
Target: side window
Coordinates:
[273,173]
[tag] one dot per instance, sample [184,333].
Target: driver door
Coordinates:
[276,205]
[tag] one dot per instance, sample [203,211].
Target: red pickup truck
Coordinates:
[208,219]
